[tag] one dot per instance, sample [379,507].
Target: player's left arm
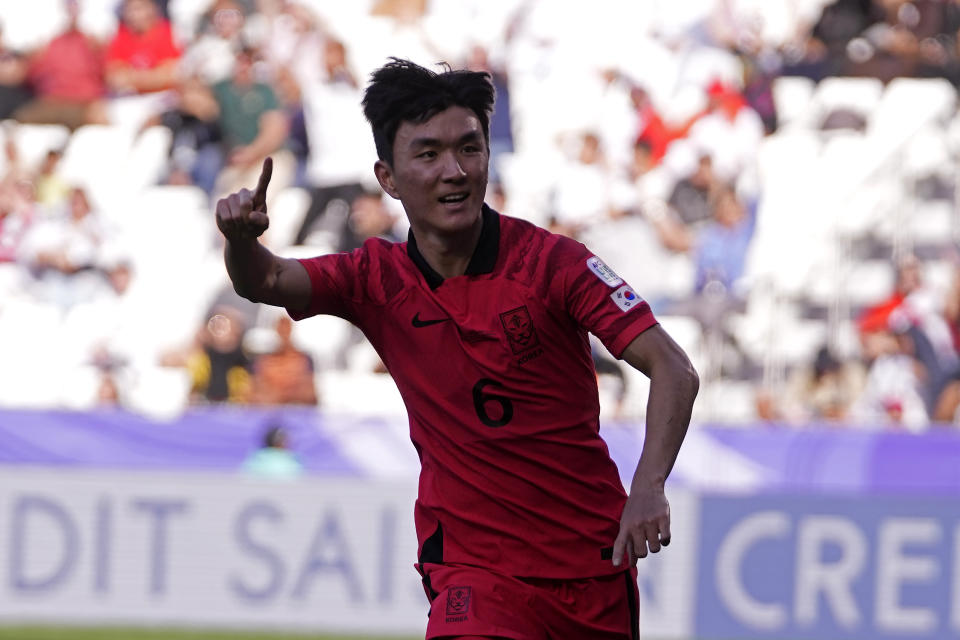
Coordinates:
[645,523]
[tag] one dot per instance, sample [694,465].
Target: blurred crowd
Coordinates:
[633,127]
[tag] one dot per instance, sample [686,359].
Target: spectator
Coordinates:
[823,391]
[110,370]
[641,163]
[252,126]
[651,127]
[729,131]
[369,218]
[947,409]
[67,77]
[337,165]
[195,154]
[285,375]
[17,213]
[901,39]
[760,69]
[651,182]
[951,307]
[14,90]
[274,458]
[720,251]
[13,226]
[824,50]
[892,394]
[290,42]
[583,189]
[108,330]
[690,198]
[62,253]
[211,56]
[108,391]
[142,57]
[52,189]
[916,317]
[219,367]
[501,124]
[288,35]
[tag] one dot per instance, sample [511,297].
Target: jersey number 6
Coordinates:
[480,400]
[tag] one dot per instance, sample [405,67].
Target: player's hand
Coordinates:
[644,525]
[243,215]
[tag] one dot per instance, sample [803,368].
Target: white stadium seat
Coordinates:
[910,103]
[35,140]
[343,392]
[97,157]
[792,96]
[147,162]
[869,282]
[933,222]
[159,392]
[30,347]
[286,215]
[859,95]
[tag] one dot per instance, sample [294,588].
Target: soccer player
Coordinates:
[523,525]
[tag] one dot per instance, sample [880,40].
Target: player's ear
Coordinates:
[384,173]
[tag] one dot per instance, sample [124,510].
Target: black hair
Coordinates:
[402,91]
[825,362]
[274,436]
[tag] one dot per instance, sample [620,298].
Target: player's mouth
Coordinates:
[453,200]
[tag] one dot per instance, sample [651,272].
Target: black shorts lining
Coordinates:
[633,604]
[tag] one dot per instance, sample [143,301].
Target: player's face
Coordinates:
[439,171]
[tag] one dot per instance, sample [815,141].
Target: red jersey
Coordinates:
[69,68]
[495,370]
[146,50]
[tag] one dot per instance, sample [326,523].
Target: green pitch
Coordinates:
[117,633]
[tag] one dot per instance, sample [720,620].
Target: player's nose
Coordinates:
[452,169]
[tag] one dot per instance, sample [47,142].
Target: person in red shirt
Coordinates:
[524,528]
[143,56]
[67,77]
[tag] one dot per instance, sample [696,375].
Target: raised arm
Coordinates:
[645,522]
[256,273]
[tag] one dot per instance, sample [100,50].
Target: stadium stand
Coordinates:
[848,173]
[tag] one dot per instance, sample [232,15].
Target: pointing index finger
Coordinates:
[260,195]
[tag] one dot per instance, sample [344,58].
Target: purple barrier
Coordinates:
[850,460]
[209,438]
[773,459]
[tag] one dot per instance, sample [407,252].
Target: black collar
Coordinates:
[484,257]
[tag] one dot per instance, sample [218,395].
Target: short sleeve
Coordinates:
[333,283]
[600,300]
[353,286]
[119,47]
[166,46]
[270,102]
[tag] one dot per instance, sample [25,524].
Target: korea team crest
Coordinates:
[519,328]
[458,603]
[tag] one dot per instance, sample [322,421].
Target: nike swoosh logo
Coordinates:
[418,323]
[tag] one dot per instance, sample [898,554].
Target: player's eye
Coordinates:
[427,155]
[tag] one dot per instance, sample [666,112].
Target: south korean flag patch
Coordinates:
[626,298]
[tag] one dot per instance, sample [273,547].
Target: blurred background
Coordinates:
[777,178]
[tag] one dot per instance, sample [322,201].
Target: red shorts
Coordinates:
[467,600]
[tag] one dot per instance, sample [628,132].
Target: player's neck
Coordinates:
[448,254]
